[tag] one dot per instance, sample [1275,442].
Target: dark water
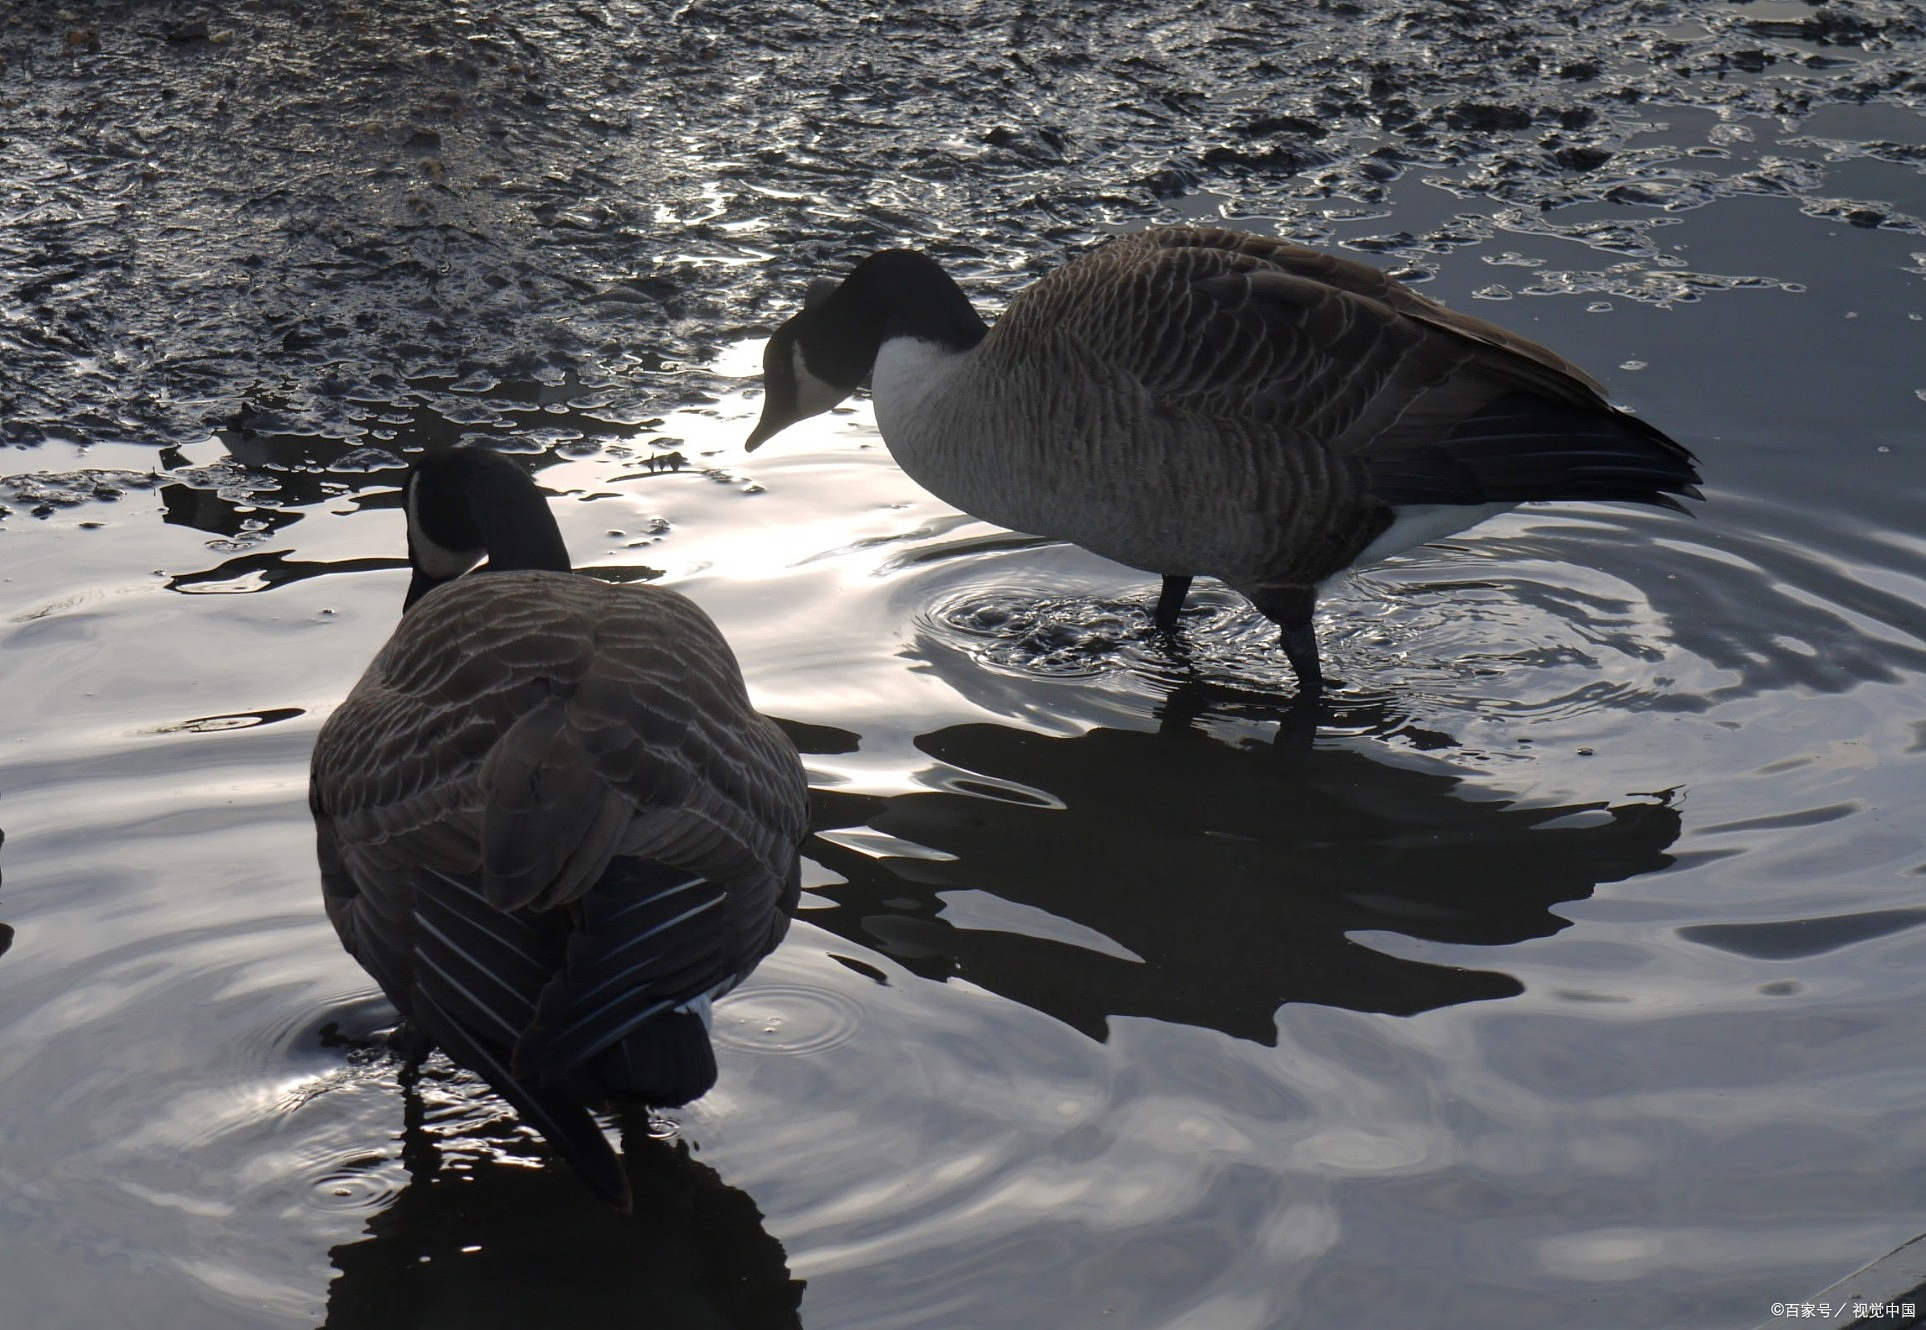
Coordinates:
[1560,968]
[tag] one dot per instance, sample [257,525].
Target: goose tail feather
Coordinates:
[1523,448]
[561,1119]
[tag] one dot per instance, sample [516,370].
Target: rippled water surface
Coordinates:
[1561,967]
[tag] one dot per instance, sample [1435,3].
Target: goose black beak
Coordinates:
[765,430]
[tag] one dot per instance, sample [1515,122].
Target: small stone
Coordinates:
[1582,158]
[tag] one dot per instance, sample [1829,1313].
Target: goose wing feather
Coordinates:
[1546,370]
[514,713]
[1339,360]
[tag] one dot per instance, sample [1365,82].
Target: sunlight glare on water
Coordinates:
[1562,966]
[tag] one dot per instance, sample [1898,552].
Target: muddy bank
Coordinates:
[345,222]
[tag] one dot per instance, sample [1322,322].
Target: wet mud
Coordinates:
[354,224]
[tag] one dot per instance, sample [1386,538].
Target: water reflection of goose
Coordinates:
[549,823]
[1192,401]
[1176,876]
[500,1244]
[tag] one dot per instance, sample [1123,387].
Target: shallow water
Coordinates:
[1560,967]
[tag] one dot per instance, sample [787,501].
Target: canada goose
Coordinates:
[549,823]
[1192,401]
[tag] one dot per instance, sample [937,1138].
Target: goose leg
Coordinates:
[1170,601]
[411,1044]
[1290,609]
[418,1152]
[1300,646]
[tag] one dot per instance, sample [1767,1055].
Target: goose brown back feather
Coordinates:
[510,711]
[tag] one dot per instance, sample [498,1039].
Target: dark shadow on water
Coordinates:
[1796,939]
[1224,879]
[501,1244]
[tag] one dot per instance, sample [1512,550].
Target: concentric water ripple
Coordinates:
[786,1020]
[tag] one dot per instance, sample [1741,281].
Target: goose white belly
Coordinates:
[962,433]
[935,426]
[1418,524]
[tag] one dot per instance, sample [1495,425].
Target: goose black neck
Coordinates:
[477,501]
[522,533]
[904,293]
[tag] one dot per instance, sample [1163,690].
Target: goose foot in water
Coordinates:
[411,1044]
[1290,609]
[1300,646]
[1170,602]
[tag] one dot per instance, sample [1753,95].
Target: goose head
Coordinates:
[811,363]
[469,504]
[826,352]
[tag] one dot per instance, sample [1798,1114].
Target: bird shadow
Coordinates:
[1206,880]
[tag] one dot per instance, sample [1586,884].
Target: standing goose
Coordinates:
[1191,401]
[549,823]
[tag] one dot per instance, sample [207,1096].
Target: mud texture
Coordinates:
[349,222]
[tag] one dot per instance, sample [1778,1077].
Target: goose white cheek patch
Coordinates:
[436,560]
[813,395]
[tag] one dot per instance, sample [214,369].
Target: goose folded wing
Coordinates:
[715,785]
[1218,333]
[478,976]
[1438,406]
[1519,360]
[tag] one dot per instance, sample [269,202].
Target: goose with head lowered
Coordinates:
[550,824]
[1202,401]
